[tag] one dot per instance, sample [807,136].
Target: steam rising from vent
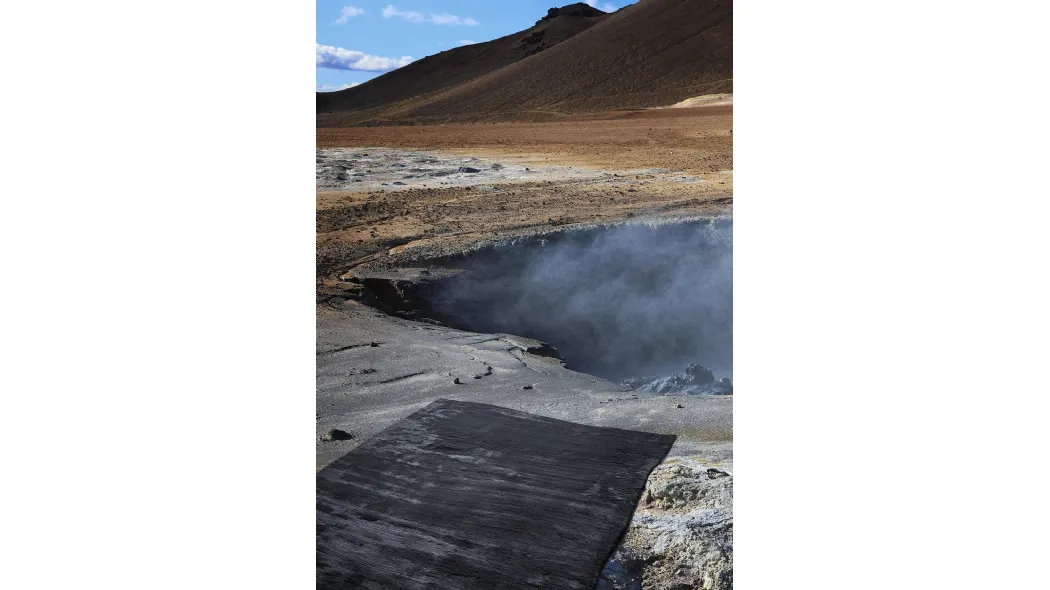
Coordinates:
[617,302]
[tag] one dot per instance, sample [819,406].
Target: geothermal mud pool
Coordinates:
[634,303]
[617,302]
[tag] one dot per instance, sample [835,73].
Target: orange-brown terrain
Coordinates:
[695,140]
[356,227]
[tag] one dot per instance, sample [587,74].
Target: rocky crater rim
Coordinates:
[432,256]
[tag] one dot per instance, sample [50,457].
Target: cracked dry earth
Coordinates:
[381,209]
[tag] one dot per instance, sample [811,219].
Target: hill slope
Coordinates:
[449,68]
[653,53]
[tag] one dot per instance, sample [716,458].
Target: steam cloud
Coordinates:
[616,302]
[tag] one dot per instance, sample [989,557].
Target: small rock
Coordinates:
[457,381]
[526,387]
[399,183]
[467,170]
[679,406]
[336,434]
[374,344]
[478,376]
[713,473]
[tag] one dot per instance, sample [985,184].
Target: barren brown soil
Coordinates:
[695,140]
[380,227]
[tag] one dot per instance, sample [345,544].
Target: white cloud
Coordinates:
[347,13]
[605,7]
[330,88]
[466,42]
[337,58]
[410,15]
[443,18]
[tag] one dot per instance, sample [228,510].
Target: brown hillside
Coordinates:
[653,53]
[452,67]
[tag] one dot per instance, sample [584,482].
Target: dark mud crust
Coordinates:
[474,496]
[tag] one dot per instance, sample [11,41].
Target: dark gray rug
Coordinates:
[463,495]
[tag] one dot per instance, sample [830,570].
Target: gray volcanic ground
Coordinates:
[387,169]
[394,170]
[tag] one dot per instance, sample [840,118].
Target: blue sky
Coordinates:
[358,40]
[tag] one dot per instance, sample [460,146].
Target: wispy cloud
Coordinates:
[410,15]
[450,19]
[331,88]
[414,16]
[466,42]
[347,13]
[337,58]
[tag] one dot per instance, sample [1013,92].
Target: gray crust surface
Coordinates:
[362,389]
